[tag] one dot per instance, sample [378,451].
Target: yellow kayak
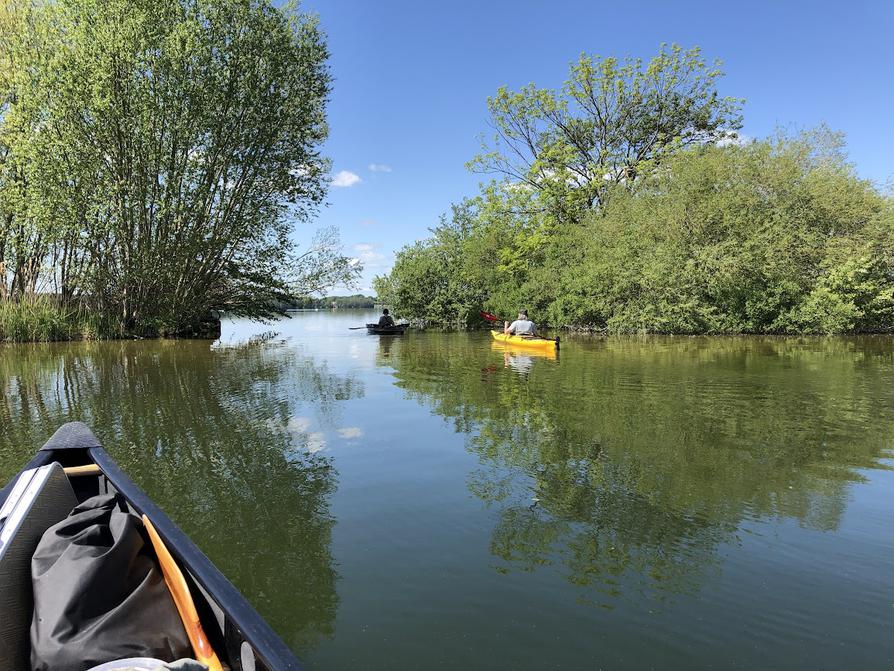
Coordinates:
[534,342]
[509,349]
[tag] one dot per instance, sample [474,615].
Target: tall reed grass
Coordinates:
[41,320]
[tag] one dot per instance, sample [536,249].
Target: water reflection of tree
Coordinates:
[208,435]
[630,463]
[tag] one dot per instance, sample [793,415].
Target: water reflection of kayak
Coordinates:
[73,478]
[528,342]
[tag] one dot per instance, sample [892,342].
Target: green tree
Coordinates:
[610,122]
[433,279]
[776,236]
[157,154]
[733,239]
[25,240]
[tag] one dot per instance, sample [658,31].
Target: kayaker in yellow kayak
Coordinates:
[521,326]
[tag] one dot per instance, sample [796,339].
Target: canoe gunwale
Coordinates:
[241,621]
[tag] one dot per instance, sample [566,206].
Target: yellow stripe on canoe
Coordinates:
[522,341]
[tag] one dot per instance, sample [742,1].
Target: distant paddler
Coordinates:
[521,326]
[386,320]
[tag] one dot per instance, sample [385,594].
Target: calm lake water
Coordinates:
[439,501]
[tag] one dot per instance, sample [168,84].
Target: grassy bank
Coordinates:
[43,321]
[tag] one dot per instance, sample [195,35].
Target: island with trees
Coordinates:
[627,202]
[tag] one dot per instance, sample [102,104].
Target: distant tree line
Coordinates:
[352,301]
[154,157]
[627,203]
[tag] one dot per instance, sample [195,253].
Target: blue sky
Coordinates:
[412,80]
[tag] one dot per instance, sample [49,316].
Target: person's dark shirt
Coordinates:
[386,321]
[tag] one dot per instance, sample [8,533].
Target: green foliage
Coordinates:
[777,236]
[626,203]
[41,320]
[742,239]
[352,301]
[433,279]
[154,156]
[610,123]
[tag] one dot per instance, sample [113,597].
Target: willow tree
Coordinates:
[178,142]
[24,48]
[610,121]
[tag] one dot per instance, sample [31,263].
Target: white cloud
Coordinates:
[376,260]
[311,442]
[379,167]
[298,424]
[316,442]
[734,139]
[345,178]
[350,432]
[367,253]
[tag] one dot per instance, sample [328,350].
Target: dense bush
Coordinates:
[776,236]
[625,202]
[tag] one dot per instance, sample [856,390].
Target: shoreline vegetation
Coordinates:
[152,173]
[627,202]
[44,320]
[355,301]
[139,201]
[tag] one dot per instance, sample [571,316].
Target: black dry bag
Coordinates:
[99,594]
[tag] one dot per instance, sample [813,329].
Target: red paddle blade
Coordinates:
[488,316]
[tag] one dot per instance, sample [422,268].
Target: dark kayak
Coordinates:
[238,635]
[397,329]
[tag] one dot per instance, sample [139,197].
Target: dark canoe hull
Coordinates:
[241,638]
[375,329]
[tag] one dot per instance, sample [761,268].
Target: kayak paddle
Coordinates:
[183,600]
